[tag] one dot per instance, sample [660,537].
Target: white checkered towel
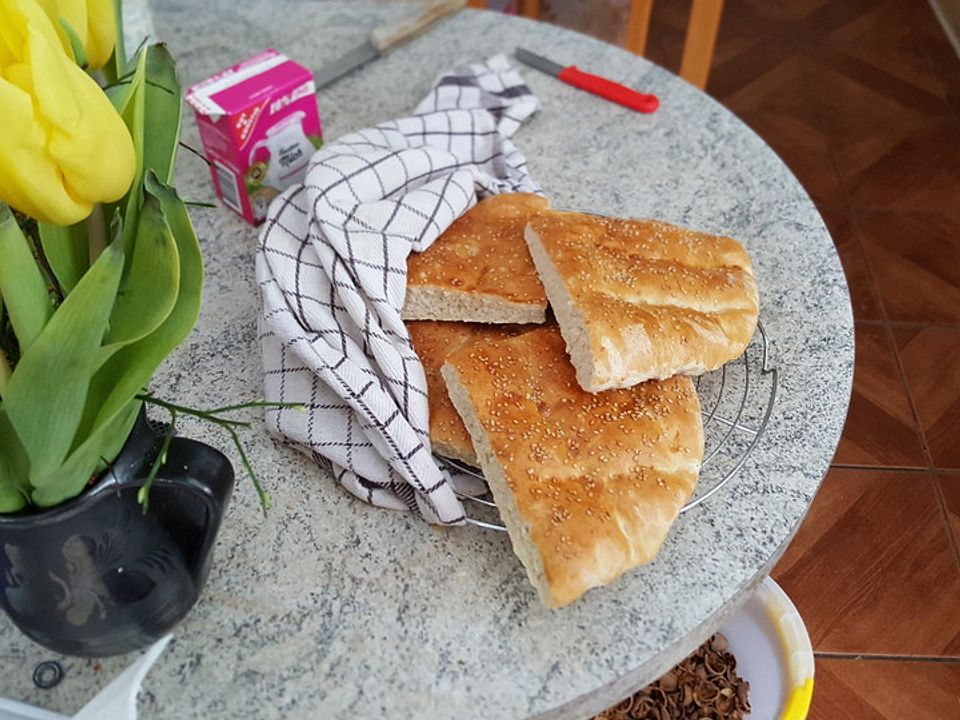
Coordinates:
[332,268]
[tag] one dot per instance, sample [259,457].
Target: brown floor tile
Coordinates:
[945,59]
[872,569]
[915,262]
[863,296]
[880,428]
[743,59]
[882,82]
[885,99]
[812,19]
[885,690]
[858,136]
[775,104]
[921,171]
[894,37]
[743,23]
[950,489]
[747,29]
[931,363]
[896,46]
[891,150]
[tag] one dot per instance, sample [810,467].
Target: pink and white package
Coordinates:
[259,125]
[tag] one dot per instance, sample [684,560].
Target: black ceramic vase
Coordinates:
[98,576]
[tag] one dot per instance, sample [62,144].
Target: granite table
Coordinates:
[329,608]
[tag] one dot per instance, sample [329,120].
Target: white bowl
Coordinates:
[774,654]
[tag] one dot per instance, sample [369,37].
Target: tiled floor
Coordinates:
[861,98]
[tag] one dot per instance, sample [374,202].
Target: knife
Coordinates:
[608,89]
[383,38]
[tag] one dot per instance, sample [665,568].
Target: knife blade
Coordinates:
[382,39]
[595,84]
[359,56]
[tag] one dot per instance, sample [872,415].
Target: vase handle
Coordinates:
[206,474]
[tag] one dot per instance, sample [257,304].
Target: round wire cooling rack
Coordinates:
[736,402]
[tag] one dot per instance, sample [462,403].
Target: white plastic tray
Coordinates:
[117,701]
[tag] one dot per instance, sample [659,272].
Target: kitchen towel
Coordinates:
[332,269]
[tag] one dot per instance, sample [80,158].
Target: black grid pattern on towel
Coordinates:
[331,265]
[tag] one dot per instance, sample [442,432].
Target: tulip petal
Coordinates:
[6,54]
[93,22]
[96,156]
[30,180]
[65,147]
[11,38]
[102,33]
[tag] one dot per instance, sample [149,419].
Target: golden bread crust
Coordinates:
[433,342]
[482,256]
[592,481]
[644,299]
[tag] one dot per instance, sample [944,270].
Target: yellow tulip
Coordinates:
[63,146]
[91,20]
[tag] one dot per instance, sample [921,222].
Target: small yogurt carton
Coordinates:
[259,125]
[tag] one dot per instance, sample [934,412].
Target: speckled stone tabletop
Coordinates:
[329,608]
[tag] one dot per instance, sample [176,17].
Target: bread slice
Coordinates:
[479,269]
[588,485]
[434,342]
[642,299]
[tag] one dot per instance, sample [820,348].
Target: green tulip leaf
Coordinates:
[14,468]
[131,368]
[150,286]
[118,64]
[133,102]
[67,252]
[11,499]
[121,92]
[5,369]
[164,100]
[133,114]
[79,52]
[46,394]
[21,282]
[105,443]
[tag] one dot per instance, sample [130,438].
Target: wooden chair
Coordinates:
[698,44]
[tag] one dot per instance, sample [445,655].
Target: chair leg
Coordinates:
[530,8]
[699,43]
[638,25]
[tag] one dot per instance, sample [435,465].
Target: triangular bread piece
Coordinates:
[479,269]
[642,299]
[433,343]
[588,485]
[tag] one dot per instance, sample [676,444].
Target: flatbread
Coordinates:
[588,485]
[479,269]
[642,299]
[434,342]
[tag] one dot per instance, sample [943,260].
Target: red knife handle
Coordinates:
[620,94]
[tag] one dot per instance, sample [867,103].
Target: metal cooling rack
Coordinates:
[736,402]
